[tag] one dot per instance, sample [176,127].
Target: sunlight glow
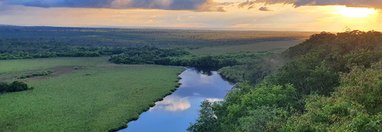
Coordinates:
[353,12]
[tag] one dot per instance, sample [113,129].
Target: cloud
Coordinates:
[198,5]
[264,9]
[247,3]
[298,3]
[210,5]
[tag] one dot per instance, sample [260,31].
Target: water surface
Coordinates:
[178,110]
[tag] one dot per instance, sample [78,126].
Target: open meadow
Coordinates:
[81,94]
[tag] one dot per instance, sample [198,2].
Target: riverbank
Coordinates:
[151,105]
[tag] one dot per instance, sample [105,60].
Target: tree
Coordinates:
[207,121]
[363,86]
[354,106]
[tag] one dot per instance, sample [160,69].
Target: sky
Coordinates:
[269,15]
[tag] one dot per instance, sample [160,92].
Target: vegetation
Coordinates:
[37,74]
[354,106]
[176,57]
[43,42]
[15,86]
[331,83]
[25,65]
[202,62]
[88,93]
[98,96]
[275,46]
[252,70]
[50,37]
[145,55]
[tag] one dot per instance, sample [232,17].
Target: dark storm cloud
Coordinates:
[297,3]
[122,4]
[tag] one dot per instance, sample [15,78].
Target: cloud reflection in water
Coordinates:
[174,104]
[212,100]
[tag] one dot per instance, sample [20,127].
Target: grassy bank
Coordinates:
[97,97]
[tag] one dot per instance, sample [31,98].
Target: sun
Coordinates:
[354,12]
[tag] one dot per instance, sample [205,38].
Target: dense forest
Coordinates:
[331,82]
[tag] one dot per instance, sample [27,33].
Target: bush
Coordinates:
[15,86]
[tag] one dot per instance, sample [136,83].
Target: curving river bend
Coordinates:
[177,111]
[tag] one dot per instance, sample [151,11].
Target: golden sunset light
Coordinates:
[354,12]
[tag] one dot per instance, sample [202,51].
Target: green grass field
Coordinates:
[97,97]
[7,66]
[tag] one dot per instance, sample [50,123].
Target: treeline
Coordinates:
[52,50]
[18,49]
[28,55]
[15,86]
[7,53]
[145,55]
[176,57]
[332,83]
[201,62]
[252,69]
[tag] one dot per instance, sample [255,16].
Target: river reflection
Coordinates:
[178,110]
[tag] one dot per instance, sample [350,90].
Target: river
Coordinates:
[177,111]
